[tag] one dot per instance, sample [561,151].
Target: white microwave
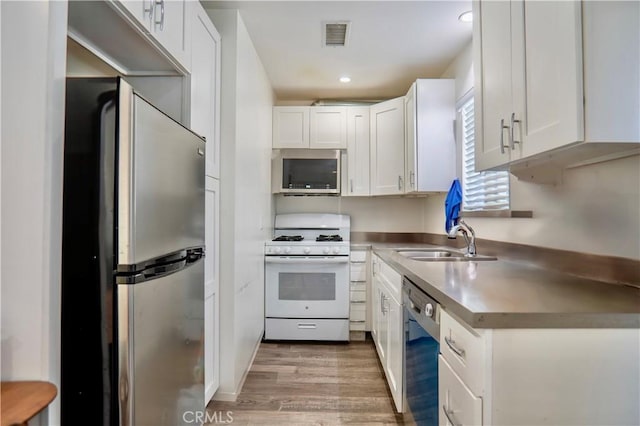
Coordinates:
[306,171]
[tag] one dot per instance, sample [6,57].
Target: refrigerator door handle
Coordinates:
[152,273]
[195,254]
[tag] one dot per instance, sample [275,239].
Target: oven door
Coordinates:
[307,287]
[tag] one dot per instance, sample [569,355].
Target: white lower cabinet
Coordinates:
[537,376]
[457,404]
[387,326]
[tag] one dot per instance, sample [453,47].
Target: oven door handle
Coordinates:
[307,260]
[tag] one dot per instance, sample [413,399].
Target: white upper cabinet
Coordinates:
[141,10]
[167,21]
[387,147]
[205,84]
[430,151]
[290,127]
[171,28]
[547,76]
[322,127]
[357,181]
[493,76]
[544,85]
[328,127]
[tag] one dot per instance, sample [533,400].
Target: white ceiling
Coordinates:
[391,44]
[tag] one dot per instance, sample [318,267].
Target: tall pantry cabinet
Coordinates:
[205,120]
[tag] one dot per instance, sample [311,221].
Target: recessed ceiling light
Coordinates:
[345,79]
[466,17]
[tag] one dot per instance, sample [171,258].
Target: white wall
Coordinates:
[596,209]
[33,72]
[246,201]
[368,214]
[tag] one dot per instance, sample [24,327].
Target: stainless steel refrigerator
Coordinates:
[132,261]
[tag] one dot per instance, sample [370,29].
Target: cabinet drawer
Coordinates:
[359,256]
[358,296]
[457,405]
[358,272]
[464,351]
[306,329]
[358,312]
[358,286]
[357,325]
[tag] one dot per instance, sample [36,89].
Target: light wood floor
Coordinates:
[309,383]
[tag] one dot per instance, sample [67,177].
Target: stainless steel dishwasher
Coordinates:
[422,337]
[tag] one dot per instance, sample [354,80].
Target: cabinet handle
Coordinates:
[399,183]
[149,9]
[502,127]
[450,416]
[513,126]
[161,22]
[452,345]
[412,178]
[351,185]
[309,325]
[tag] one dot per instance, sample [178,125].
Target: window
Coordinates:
[481,191]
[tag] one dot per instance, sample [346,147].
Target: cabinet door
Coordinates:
[171,29]
[357,152]
[328,127]
[395,355]
[457,404]
[211,288]
[383,326]
[547,75]
[205,84]
[493,82]
[140,10]
[375,300]
[410,143]
[290,127]
[387,147]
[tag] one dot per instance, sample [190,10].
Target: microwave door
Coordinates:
[310,175]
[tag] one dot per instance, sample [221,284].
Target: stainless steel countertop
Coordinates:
[506,294]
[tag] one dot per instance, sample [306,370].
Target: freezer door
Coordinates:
[161,348]
[161,172]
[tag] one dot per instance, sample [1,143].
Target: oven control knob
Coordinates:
[277,250]
[336,250]
[325,250]
[307,250]
[428,310]
[287,250]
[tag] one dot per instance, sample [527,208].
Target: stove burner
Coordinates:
[329,238]
[288,238]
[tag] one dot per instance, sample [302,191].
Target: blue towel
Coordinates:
[452,205]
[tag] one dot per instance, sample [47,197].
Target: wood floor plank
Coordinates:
[312,384]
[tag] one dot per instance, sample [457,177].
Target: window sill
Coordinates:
[498,213]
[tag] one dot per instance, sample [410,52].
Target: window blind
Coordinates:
[483,190]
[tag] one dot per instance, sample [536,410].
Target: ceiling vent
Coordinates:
[335,34]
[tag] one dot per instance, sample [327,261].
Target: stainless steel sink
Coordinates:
[439,255]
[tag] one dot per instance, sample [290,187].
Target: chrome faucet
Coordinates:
[465,229]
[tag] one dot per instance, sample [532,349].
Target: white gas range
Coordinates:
[307,278]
